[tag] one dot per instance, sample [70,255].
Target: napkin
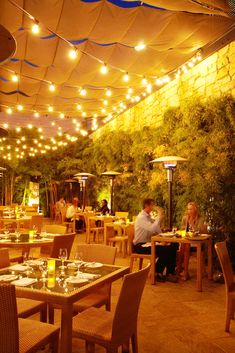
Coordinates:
[20,268]
[87,275]
[146,245]
[23,282]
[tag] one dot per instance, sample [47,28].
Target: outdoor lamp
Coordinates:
[83,177]
[169,163]
[111,175]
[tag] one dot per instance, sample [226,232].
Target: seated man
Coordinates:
[145,227]
[71,214]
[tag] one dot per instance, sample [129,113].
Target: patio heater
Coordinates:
[2,170]
[70,181]
[169,163]
[83,177]
[111,175]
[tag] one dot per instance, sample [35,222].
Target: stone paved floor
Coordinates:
[175,318]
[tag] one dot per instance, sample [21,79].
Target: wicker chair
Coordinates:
[37,221]
[22,335]
[94,230]
[135,256]
[222,252]
[113,329]
[120,238]
[55,229]
[101,296]
[63,241]
[25,307]
[123,215]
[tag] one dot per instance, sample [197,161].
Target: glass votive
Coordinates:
[51,282]
[31,235]
[51,267]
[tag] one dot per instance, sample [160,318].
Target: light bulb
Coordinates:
[35,28]
[53,123]
[52,87]
[130,90]
[79,107]
[84,114]
[83,92]
[158,82]
[104,69]
[20,107]
[50,108]
[5,126]
[18,129]
[73,53]
[9,111]
[30,126]
[105,102]
[126,77]
[108,92]
[95,115]
[61,116]
[36,114]
[149,88]
[144,81]
[15,78]
[140,46]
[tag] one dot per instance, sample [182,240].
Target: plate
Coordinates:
[75,280]
[94,265]
[8,278]
[167,235]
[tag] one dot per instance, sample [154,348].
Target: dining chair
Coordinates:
[101,296]
[94,230]
[62,241]
[120,238]
[37,221]
[225,262]
[55,229]
[113,329]
[25,307]
[70,226]
[135,256]
[123,215]
[22,335]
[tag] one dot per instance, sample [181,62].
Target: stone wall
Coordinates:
[212,77]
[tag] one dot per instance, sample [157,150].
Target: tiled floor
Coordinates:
[175,318]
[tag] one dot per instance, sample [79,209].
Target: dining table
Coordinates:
[62,287]
[200,242]
[25,221]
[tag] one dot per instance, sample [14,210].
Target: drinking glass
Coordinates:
[63,255]
[78,258]
[43,268]
[17,234]
[7,232]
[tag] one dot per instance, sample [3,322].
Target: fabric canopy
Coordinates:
[103,32]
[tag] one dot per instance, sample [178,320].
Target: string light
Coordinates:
[35,28]
[105,102]
[20,107]
[108,92]
[52,87]
[73,53]
[9,111]
[144,81]
[140,46]
[84,114]
[79,107]
[104,69]
[126,77]
[61,115]
[18,129]
[30,126]
[50,109]
[130,90]
[15,78]
[5,126]
[36,114]
[83,92]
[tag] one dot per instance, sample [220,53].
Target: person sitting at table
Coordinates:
[145,227]
[60,204]
[71,215]
[191,222]
[104,207]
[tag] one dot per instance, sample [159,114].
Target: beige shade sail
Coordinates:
[102,32]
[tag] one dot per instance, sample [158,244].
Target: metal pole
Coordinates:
[84,194]
[111,195]
[169,182]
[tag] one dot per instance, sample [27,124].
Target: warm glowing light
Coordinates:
[149,88]
[22,138]
[144,81]
[30,126]
[36,114]
[20,107]
[73,53]
[79,107]
[105,102]
[104,69]
[95,115]
[114,108]
[53,123]
[130,90]
[108,92]
[52,87]
[84,114]
[18,129]
[5,126]
[35,28]
[140,46]
[103,110]
[126,77]
[40,129]
[9,111]
[61,115]
[158,82]
[83,92]
[190,64]
[166,79]
[15,78]
[128,96]
[137,98]
[50,108]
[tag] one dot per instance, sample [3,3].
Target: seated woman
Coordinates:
[191,222]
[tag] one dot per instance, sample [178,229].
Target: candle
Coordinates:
[51,267]
[31,235]
[51,282]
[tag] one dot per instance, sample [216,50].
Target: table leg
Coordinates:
[209,258]
[66,328]
[199,267]
[153,260]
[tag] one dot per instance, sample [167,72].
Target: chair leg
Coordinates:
[134,343]
[55,342]
[125,347]
[131,263]
[90,347]
[51,314]
[43,313]
[140,263]
[228,315]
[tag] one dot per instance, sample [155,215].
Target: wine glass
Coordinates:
[78,258]
[7,232]
[63,255]
[43,268]
[17,234]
